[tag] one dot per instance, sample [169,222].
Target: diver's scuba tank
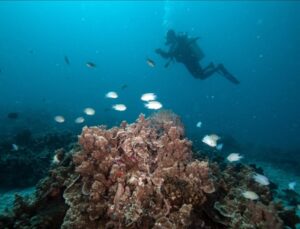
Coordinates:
[196,51]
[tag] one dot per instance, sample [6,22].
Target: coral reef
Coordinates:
[136,176]
[234,210]
[31,161]
[144,175]
[47,208]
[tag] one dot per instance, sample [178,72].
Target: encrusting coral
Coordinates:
[136,176]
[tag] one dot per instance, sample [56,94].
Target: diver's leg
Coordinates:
[194,68]
[208,73]
[197,72]
[210,66]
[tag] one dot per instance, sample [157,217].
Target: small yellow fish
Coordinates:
[151,63]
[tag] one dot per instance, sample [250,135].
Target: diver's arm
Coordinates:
[163,53]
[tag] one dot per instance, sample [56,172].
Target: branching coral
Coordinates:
[135,175]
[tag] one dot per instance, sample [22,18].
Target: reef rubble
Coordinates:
[145,175]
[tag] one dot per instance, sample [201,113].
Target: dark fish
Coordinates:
[150,62]
[124,86]
[13,115]
[67,61]
[107,109]
[90,65]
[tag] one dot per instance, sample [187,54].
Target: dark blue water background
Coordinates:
[257,41]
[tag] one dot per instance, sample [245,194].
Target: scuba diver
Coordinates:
[185,50]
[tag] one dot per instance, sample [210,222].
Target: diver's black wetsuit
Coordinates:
[186,51]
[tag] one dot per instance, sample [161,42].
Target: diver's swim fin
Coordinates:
[228,75]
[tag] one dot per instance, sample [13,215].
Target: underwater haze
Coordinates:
[257,41]
[59,58]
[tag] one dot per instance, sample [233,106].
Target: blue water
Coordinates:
[257,41]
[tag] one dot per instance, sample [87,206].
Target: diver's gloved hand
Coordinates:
[158,51]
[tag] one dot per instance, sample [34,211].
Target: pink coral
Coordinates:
[140,174]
